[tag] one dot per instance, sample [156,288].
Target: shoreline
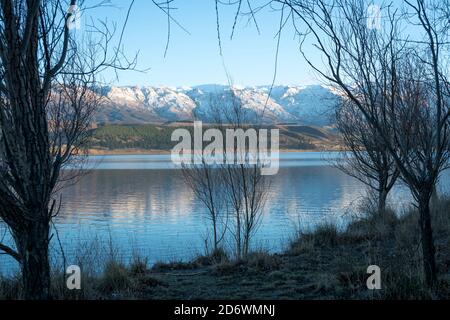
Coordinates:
[121,152]
[324,263]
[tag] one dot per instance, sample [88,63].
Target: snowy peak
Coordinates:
[302,104]
[166,102]
[313,104]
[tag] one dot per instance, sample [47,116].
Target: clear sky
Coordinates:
[194,58]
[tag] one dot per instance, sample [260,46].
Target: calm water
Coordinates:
[141,204]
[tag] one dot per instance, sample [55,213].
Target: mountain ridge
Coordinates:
[303,104]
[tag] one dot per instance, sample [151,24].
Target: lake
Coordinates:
[140,204]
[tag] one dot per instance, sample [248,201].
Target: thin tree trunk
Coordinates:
[246,244]
[32,244]
[434,196]
[238,239]
[382,196]
[428,250]
[215,234]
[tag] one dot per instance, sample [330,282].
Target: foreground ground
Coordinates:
[326,264]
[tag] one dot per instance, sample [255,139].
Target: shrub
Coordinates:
[139,266]
[217,256]
[263,261]
[115,278]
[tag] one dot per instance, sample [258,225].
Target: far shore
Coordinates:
[118,152]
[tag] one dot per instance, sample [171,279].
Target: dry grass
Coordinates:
[327,263]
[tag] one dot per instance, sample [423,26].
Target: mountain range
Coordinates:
[309,105]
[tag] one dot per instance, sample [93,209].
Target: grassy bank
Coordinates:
[324,264]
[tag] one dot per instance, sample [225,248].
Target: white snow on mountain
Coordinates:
[302,104]
[165,102]
[312,104]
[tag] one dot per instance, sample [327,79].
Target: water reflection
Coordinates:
[160,212]
[141,202]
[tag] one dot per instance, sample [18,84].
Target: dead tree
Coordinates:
[364,157]
[47,75]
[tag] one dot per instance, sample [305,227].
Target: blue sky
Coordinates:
[194,58]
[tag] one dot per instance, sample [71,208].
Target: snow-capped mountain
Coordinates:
[303,104]
[311,104]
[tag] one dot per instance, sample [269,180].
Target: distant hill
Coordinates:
[157,137]
[306,105]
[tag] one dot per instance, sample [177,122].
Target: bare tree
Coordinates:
[47,76]
[205,180]
[244,184]
[231,186]
[364,157]
[405,73]
[245,187]
[390,61]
